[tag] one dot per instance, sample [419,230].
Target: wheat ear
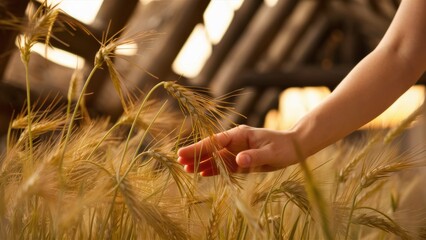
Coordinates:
[384,224]
[144,212]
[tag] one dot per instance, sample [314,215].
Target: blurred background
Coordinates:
[285,56]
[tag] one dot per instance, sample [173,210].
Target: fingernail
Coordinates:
[244,160]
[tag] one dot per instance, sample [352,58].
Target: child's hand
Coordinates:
[244,149]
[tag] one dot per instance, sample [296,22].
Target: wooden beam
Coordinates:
[189,15]
[301,77]
[385,9]
[262,29]
[371,24]
[70,38]
[296,77]
[304,19]
[162,53]
[238,25]
[110,19]
[308,45]
[299,54]
[290,34]
[11,101]
[115,15]
[112,16]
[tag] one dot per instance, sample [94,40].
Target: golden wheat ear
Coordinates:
[217,214]
[203,109]
[293,190]
[45,117]
[39,28]
[206,115]
[383,223]
[166,163]
[106,55]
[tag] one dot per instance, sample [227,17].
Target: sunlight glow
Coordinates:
[294,103]
[270,3]
[402,108]
[236,4]
[198,47]
[129,49]
[216,26]
[83,10]
[193,54]
[59,56]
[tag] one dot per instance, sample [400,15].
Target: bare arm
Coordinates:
[374,84]
[371,87]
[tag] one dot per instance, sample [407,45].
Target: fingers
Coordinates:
[257,152]
[202,149]
[211,165]
[206,147]
[253,158]
[255,163]
[202,166]
[209,173]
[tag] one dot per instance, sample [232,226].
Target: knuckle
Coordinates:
[243,127]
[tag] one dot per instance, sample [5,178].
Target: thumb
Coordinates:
[253,158]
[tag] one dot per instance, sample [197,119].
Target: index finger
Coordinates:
[206,147]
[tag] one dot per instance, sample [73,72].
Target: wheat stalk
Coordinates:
[315,194]
[73,93]
[39,27]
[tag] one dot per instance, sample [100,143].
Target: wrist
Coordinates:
[305,137]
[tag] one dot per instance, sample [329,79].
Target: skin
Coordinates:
[370,88]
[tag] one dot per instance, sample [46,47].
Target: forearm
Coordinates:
[371,87]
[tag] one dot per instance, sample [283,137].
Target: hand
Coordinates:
[243,149]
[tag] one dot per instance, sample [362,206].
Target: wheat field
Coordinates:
[66,175]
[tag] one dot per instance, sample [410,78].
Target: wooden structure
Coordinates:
[264,50]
